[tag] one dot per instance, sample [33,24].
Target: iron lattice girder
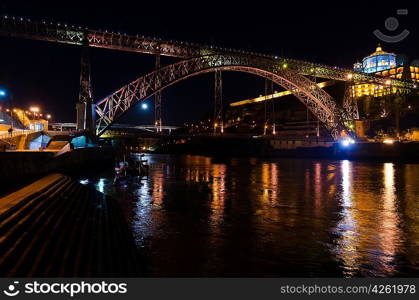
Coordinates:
[218,100]
[157,99]
[350,107]
[76,35]
[316,99]
[85,94]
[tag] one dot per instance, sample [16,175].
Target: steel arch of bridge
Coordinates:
[320,103]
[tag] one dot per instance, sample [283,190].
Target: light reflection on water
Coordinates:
[197,216]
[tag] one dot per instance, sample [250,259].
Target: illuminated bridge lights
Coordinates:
[197,59]
[320,103]
[102,39]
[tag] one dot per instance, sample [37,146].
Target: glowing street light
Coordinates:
[144,106]
[48,116]
[3,93]
[34,110]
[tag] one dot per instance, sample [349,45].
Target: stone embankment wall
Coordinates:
[15,166]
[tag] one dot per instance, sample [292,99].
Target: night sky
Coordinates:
[47,74]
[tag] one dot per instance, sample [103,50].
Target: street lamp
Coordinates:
[34,110]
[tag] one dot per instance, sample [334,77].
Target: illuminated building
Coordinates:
[377,61]
[383,64]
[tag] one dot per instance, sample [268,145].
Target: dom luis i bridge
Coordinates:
[296,76]
[215,197]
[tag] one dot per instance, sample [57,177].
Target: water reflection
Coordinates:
[270,183]
[347,247]
[369,226]
[218,194]
[251,217]
[391,236]
[317,186]
[157,190]
[142,222]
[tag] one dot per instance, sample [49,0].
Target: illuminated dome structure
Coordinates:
[377,61]
[385,64]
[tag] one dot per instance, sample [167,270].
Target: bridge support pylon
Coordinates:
[85,107]
[157,101]
[269,108]
[218,103]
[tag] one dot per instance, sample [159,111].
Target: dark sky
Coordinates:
[335,33]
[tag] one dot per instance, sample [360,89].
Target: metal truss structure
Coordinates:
[85,94]
[77,35]
[157,100]
[218,102]
[321,104]
[269,108]
[289,73]
[85,105]
[350,107]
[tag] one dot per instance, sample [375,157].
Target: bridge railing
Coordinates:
[77,35]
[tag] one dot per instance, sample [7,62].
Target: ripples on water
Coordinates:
[199,216]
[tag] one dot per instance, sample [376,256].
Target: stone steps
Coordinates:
[57,227]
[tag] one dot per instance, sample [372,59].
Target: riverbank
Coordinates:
[56,227]
[264,147]
[24,166]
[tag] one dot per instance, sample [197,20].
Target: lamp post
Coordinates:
[34,110]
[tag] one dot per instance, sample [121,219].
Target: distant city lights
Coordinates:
[346,142]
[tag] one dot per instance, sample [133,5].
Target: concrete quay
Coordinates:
[56,227]
[23,165]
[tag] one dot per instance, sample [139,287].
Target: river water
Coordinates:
[202,216]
